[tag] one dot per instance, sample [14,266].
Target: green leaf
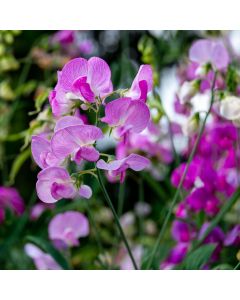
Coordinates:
[41,98]
[17,164]
[198,258]
[48,248]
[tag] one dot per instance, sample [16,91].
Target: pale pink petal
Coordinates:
[39,146]
[88,153]
[67,121]
[111,166]
[99,76]
[116,112]
[85,191]
[138,116]
[74,69]
[142,84]
[137,162]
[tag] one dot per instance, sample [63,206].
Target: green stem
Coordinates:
[109,202]
[177,193]
[121,198]
[94,226]
[237,266]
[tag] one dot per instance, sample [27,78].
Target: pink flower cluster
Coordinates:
[213,175]
[85,85]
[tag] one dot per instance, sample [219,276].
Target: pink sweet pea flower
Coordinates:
[176,256]
[42,152]
[118,167]
[64,37]
[233,237]
[67,121]
[77,141]
[124,260]
[54,183]
[209,51]
[182,231]
[127,115]
[86,79]
[65,229]
[10,198]
[42,260]
[142,84]
[59,101]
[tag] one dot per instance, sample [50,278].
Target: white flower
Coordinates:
[191,125]
[186,92]
[230,109]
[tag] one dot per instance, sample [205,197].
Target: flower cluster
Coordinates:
[213,174]
[85,85]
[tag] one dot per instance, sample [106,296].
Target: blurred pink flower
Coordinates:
[42,260]
[65,229]
[10,198]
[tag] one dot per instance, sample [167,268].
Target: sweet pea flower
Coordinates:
[42,260]
[59,101]
[209,51]
[127,115]
[64,37]
[142,84]
[54,183]
[175,257]
[124,260]
[42,152]
[65,229]
[10,198]
[233,237]
[182,231]
[86,79]
[77,141]
[230,109]
[216,236]
[118,167]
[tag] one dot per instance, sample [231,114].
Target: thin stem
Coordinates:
[121,198]
[237,266]
[177,193]
[109,202]
[94,226]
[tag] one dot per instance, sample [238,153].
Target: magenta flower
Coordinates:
[209,51]
[216,236]
[142,84]
[127,115]
[233,237]
[54,183]
[77,141]
[176,256]
[65,229]
[64,37]
[42,260]
[118,167]
[182,232]
[10,198]
[86,80]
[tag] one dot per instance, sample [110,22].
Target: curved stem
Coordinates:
[109,202]
[177,193]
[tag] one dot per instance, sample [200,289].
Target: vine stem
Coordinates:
[178,191]
[109,202]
